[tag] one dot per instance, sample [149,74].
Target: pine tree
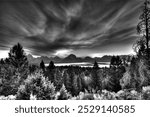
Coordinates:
[17,56]
[2,62]
[51,65]
[75,86]
[18,59]
[42,65]
[71,74]
[58,79]
[63,93]
[66,80]
[96,81]
[79,84]
[37,85]
[96,65]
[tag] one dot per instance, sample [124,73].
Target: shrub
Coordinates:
[146,93]
[9,97]
[85,96]
[38,86]
[107,95]
[128,95]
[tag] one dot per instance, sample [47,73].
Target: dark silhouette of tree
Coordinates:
[2,61]
[95,66]
[18,59]
[96,81]
[7,61]
[51,65]
[112,61]
[42,65]
[17,56]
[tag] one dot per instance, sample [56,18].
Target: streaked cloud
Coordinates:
[58,27]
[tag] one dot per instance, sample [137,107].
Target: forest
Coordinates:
[127,78]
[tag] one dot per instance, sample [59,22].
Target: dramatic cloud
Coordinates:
[59,27]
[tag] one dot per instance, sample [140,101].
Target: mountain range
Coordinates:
[69,59]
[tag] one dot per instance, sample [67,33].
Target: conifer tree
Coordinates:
[2,61]
[143,28]
[63,93]
[51,65]
[17,56]
[66,80]
[95,65]
[42,65]
[18,60]
[58,79]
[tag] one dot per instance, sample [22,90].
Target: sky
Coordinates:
[62,27]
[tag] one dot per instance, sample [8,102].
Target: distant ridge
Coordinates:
[69,59]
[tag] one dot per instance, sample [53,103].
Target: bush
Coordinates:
[128,95]
[84,96]
[146,93]
[9,80]
[9,97]
[107,95]
[24,92]
[38,86]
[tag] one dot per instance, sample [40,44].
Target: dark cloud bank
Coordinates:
[60,27]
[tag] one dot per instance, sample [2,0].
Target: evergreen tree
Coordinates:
[50,71]
[144,26]
[9,82]
[96,65]
[96,81]
[71,74]
[51,65]
[79,83]
[76,89]
[63,93]
[7,61]
[112,61]
[67,80]
[58,79]
[115,75]
[18,60]
[17,56]
[42,65]
[2,62]
[37,85]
